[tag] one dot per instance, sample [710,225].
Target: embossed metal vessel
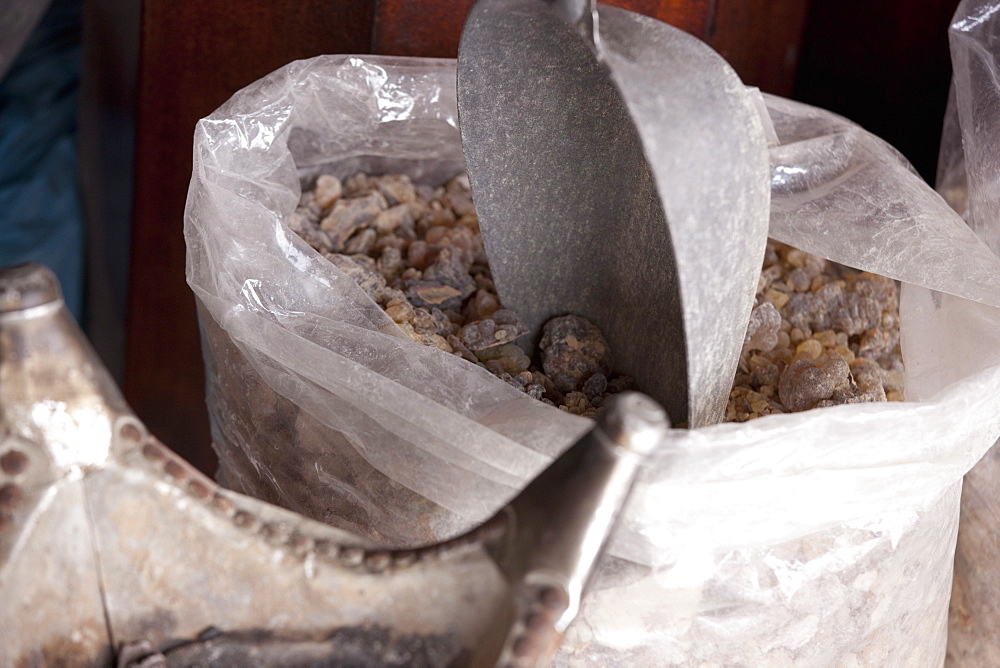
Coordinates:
[113,548]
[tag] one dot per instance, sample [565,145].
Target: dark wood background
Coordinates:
[164,64]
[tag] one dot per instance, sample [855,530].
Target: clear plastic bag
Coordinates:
[968,178]
[806,538]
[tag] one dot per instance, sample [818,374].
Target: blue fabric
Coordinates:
[40,213]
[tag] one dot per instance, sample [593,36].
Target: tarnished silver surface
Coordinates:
[112,546]
[51,400]
[620,172]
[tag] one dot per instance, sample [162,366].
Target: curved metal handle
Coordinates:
[560,524]
[582,15]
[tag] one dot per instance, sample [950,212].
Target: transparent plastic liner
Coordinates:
[969,179]
[321,404]
[871,592]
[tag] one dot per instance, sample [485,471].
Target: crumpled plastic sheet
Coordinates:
[811,538]
[969,179]
[887,220]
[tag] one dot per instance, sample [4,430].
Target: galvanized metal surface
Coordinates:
[620,172]
[112,545]
[564,518]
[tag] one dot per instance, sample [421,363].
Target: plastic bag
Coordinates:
[968,174]
[809,538]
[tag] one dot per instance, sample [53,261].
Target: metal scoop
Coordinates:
[620,172]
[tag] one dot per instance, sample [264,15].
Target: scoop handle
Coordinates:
[561,522]
[582,15]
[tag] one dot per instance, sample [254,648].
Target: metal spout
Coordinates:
[53,389]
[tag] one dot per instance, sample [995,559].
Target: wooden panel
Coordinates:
[193,56]
[433,27]
[428,28]
[760,38]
